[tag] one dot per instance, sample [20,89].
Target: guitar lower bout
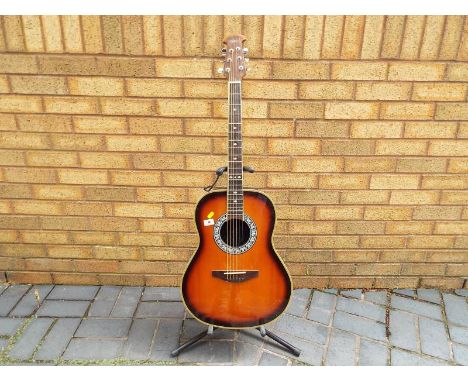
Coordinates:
[235,279]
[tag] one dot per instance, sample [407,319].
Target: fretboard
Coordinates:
[235,196]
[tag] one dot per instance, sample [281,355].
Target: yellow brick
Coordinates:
[338,213]
[37,207]
[70,105]
[407,110]
[292,181]
[113,224]
[135,178]
[112,34]
[463,130]
[359,71]
[314,197]
[138,209]
[451,39]
[100,86]
[414,29]
[343,181]
[8,121]
[72,34]
[296,110]
[165,225]
[194,68]
[11,140]
[154,87]
[52,158]
[12,158]
[378,269]
[351,110]
[382,242]
[33,33]
[259,69]
[203,127]
[383,91]
[430,129]
[77,142]
[52,34]
[69,252]
[81,176]
[183,108]
[15,191]
[311,228]
[123,106]
[439,91]
[125,67]
[293,36]
[387,213]
[419,71]
[152,32]
[347,147]
[364,197]
[179,144]
[173,32]
[161,194]
[104,160]
[445,182]
[427,241]
[369,164]
[20,104]
[272,36]
[457,269]
[336,242]
[193,35]
[400,147]
[454,197]
[399,181]
[372,37]
[437,213]
[92,35]
[178,210]
[29,175]
[58,192]
[423,269]
[451,228]
[414,197]
[250,109]
[313,36]
[376,129]
[317,164]
[432,37]
[206,162]
[14,36]
[158,161]
[100,125]
[352,36]
[293,146]
[332,36]
[457,71]
[419,165]
[131,143]
[326,90]
[4,87]
[392,36]
[452,111]
[206,89]
[448,148]
[89,208]
[305,70]
[261,128]
[458,165]
[46,237]
[289,212]
[269,90]
[186,179]
[253,27]
[132,29]
[38,85]
[315,128]
[153,126]
[408,228]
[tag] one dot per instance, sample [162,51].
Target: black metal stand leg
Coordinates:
[292,349]
[190,342]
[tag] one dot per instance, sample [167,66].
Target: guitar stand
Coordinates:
[263,332]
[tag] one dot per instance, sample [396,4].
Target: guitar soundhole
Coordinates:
[235,233]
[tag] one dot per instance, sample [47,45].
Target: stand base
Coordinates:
[263,332]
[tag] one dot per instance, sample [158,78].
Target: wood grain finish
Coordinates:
[251,303]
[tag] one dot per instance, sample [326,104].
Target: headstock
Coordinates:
[235,62]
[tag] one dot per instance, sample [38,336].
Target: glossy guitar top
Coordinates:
[247,288]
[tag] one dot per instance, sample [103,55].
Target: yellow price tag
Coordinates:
[210,215]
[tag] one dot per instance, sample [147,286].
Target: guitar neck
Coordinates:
[235,190]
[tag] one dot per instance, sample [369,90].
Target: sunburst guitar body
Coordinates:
[235,279]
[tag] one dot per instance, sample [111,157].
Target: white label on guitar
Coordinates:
[208,222]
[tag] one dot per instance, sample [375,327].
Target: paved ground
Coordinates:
[131,325]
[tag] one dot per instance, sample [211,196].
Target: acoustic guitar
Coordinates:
[235,279]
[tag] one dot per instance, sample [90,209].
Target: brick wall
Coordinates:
[357,127]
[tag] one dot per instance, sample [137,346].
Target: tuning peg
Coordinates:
[223,52]
[220,70]
[245,50]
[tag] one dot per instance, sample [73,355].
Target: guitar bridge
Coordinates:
[234,276]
